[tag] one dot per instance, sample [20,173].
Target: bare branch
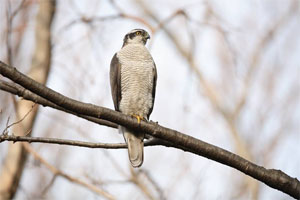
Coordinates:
[17,122]
[26,94]
[61,142]
[29,139]
[274,178]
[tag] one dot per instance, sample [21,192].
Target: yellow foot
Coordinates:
[139,118]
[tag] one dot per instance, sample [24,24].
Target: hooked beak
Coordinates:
[147,37]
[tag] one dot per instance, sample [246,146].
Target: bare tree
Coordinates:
[226,76]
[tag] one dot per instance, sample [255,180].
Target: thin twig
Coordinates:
[13,138]
[61,142]
[17,122]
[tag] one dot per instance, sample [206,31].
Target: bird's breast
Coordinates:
[137,71]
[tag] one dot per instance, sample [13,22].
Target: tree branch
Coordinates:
[274,178]
[28,95]
[61,142]
[29,139]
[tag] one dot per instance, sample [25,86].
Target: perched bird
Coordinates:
[133,81]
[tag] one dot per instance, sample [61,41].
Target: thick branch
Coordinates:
[16,89]
[26,94]
[274,178]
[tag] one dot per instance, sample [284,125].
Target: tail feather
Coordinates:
[135,145]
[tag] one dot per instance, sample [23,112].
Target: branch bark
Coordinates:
[272,177]
[28,95]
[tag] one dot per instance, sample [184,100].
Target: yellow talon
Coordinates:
[139,118]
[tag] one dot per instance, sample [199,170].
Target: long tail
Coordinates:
[135,145]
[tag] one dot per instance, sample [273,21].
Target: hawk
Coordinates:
[133,81]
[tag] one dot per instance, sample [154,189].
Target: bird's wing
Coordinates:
[115,81]
[153,89]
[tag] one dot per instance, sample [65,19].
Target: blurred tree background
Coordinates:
[228,74]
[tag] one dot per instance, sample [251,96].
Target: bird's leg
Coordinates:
[139,118]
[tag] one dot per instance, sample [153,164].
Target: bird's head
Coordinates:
[136,36]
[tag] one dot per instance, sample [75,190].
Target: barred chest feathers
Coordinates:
[137,73]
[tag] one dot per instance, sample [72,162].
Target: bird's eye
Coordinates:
[138,33]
